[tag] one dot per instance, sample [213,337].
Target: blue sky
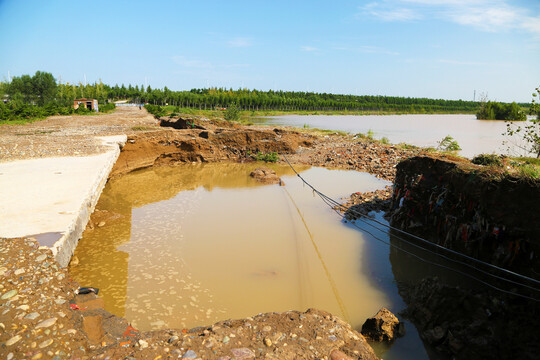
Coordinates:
[418,48]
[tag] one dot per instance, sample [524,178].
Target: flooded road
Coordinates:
[191,245]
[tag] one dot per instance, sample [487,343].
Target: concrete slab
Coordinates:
[52,198]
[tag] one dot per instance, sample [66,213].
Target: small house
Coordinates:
[91,104]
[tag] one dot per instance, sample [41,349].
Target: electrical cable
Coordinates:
[333,204]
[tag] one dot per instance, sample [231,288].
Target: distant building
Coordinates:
[91,104]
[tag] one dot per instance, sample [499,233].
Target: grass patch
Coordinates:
[529,171]
[268,157]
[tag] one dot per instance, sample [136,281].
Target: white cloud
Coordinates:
[240,42]
[387,12]
[485,15]
[308,48]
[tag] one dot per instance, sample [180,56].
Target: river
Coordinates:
[474,136]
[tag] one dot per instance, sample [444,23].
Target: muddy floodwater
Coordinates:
[194,244]
[474,136]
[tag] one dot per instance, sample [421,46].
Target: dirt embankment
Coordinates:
[169,147]
[456,204]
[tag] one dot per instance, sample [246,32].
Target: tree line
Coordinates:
[39,96]
[25,95]
[257,100]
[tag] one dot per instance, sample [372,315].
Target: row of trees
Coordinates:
[39,96]
[42,89]
[288,100]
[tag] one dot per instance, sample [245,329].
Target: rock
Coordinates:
[19,271]
[41,258]
[267,342]
[242,353]
[226,339]
[265,175]
[434,335]
[143,344]
[339,355]
[9,294]
[32,316]
[93,328]
[101,224]
[45,343]
[46,323]
[384,326]
[190,354]
[74,261]
[173,339]
[23,307]
[13,340]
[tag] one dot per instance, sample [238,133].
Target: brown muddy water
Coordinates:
[194,244]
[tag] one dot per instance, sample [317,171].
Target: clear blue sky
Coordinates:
[418,48]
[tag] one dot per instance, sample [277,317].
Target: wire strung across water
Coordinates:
[369,221]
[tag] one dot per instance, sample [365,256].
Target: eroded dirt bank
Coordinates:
[495,218]
[169,147]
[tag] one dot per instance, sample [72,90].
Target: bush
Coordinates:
[107,107]
[487,160]
[269,157]
[155,110]
[232,113]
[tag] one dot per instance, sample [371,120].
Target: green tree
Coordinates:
[44,87]
[448,144]
[232,113]
[528,134]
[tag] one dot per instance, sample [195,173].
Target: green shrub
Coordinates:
[107,107]
[487,160]
[529,171]
[232,113]
[269,157]
[155,110]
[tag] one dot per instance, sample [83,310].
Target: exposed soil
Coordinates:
[74,135]
[42,317]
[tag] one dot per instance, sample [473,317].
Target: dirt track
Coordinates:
[73,135]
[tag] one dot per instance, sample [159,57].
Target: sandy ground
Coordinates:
[74,135]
